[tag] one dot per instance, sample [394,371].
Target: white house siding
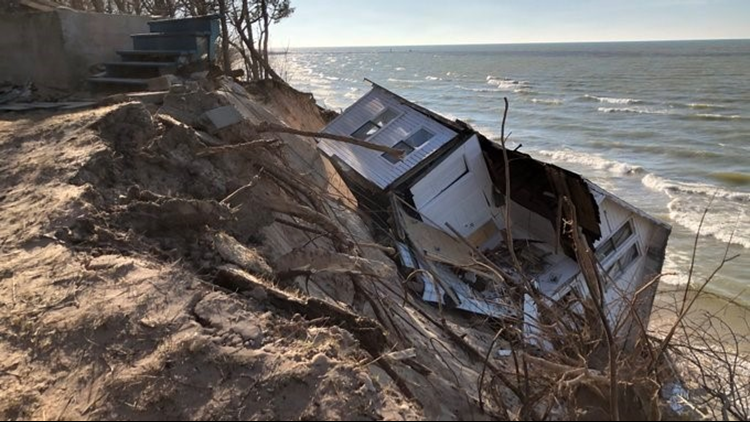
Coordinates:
[446,195]
[371,164]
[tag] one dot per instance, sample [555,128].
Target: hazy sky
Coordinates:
[418,22]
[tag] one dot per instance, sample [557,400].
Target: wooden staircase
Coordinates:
[170,44]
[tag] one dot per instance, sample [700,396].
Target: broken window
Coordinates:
[609,246]
[372,126]
[401,145]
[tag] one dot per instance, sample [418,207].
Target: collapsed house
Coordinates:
[448,203]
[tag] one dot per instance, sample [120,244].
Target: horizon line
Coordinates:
[516,43]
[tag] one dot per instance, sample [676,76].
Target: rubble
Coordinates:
[202,259]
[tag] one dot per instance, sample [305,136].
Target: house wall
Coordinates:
[370,164]
[458,191]
[55,49]
[619,292]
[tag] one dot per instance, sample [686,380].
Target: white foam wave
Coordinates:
[546,101]
[594,161]
[636,110]
[404,81]
[463,88]
[713,116]
[400,69]
[727,218]
[432,78]
[612,100]
[702,105]
[507,84]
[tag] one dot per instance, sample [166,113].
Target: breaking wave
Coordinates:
[637,110]
[463,88]
[594,161]
[712,116]
[611,100]
[507,84]
[702,105]
[548,102]
[432,78]
[404,81]
[727,218]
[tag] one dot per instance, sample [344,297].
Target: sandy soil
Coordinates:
[105,312]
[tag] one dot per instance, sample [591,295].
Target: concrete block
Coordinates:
[222,117]
[163,83]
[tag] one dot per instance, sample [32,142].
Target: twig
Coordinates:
[508,204]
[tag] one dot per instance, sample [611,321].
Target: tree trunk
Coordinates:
[98,5]
[266,24]
[225,36]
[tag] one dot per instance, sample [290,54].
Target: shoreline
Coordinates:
[729,318]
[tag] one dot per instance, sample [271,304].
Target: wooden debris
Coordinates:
[301,262]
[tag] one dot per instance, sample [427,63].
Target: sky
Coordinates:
[330,23]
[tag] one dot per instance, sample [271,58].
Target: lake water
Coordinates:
[664,125]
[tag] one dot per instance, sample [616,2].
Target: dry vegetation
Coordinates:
[154,266]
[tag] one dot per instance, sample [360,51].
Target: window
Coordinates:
[609,246]
[414,141]
[622,263]
[365,131]
[370,127]
[401,145]
[418,138]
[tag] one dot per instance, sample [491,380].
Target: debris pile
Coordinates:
[194,256]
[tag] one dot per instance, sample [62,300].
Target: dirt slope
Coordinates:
[103,310]
[153,266]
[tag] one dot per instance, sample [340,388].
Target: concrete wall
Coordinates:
[56,49]
[31,49]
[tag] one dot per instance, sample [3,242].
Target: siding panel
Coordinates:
[370,164]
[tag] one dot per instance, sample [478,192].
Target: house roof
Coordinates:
[410,118]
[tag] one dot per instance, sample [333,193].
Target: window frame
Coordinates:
[404,142]
[373,123]
[611,261]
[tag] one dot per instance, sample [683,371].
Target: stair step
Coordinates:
[171,34]
[142,64]
[197,41]
[138,70]
[162,56]
[209,23]
[165,53]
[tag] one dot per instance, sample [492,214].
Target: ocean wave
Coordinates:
[712,116]
[702,105]
[594,161]
[732,177]
[507,84]
[400,69]
[432,78]
[545,101]
[404,81]
[463,88]
[726,219]
[636,110]
[657,183]
[611,100]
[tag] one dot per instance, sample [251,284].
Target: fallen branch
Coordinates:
[231,148]
[301,262]
[266,127]
[369,333]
